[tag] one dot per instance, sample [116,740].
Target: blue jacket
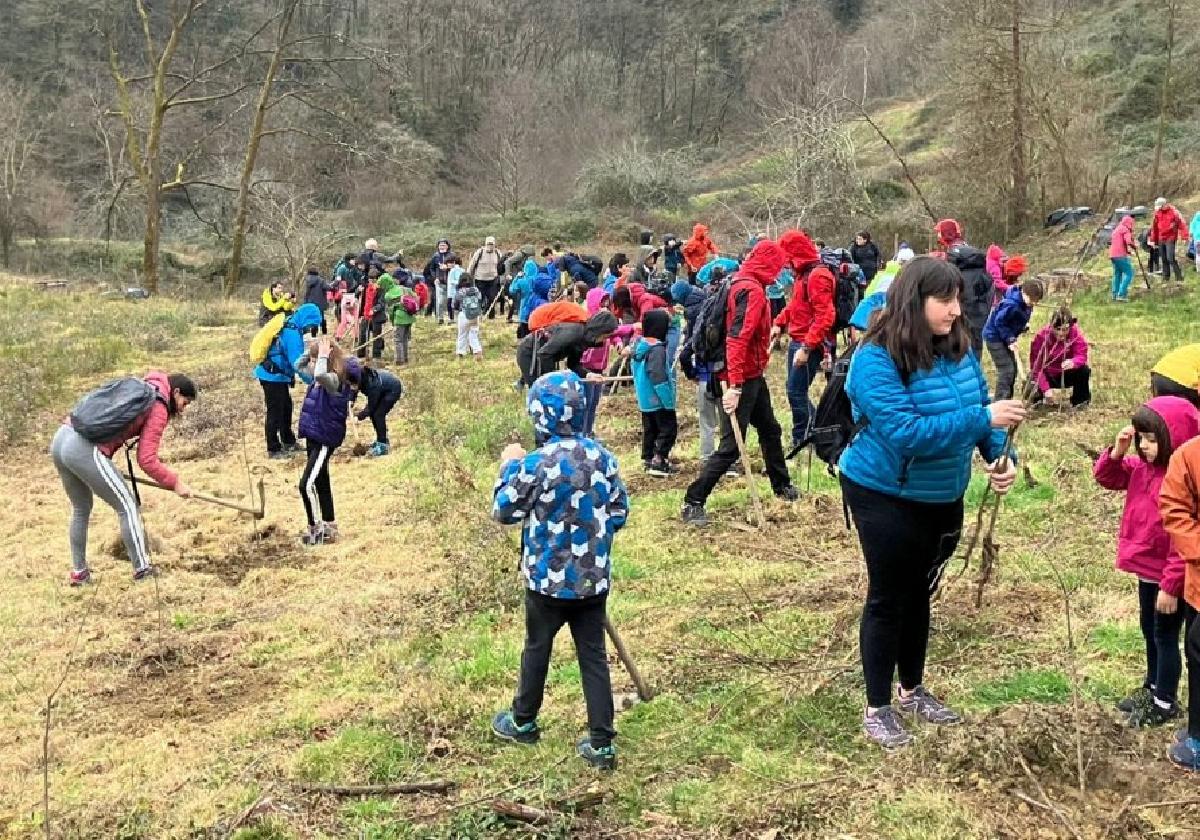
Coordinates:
[522,284]
[653,379]
[539,293]
[568,493]
[1009,319]
[704,275]
[579,272]
[691,299]
[778,289]
[289,346]
[919,438]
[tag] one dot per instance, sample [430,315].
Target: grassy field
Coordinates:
[198,707]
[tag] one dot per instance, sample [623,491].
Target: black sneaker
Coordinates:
[661,468]
[694,515]
[602,758]
[1140,697]
[788,494]
[1152,714]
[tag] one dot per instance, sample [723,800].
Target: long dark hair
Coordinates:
[902,329]
[184,385]
[1148,421]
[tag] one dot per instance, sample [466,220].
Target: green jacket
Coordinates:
[393,297]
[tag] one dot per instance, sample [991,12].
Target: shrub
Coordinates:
[631,177]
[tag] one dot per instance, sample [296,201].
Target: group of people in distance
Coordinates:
[900,342]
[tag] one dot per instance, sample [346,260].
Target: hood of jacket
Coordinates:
[1181,417]
[306,317]
[556,404]
[995,254]
[1015,266]
[595,299]
[1126,223]
[764,263]
[655,324]
[601,324]
[964,257]
[542,283]
[949,232]
[699,231]
[799,249]
[162,382]
[439,242]
[644,253]
[681,290]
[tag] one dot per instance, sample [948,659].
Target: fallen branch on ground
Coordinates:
[522,813]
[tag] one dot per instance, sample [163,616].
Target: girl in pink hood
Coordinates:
[595,359]
[1120,252]
[1144,548]
[995,268]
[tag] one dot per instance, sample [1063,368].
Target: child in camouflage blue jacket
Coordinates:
[570,498]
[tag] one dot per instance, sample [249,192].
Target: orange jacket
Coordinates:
[1179,504]
[696,250]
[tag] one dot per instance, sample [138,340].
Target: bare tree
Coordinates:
[20,137]
[1170,9]
[291,229]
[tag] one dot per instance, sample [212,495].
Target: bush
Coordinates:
[632,177]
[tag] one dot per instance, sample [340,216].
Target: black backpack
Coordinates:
[833,426]
[708,337]
[594,263]
[846,290]
[659,284]
[104,413]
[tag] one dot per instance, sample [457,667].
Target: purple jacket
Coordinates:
[323,415]
[1143,545]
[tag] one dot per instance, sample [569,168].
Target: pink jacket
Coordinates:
[596,358]
[1122,239]
[995,267]
[148,428]
[1047,354]
[1143,545]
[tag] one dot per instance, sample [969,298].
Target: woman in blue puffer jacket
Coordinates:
[921,404]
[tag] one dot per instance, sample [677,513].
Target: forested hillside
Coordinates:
[274,126]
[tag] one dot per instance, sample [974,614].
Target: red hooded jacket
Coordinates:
[748,315]
[810,314]
[643,301]
[1167,225]
[696,250]
[148,428]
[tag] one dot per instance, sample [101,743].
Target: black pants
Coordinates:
[1006,369]
[522,331]
[1168,259]
[1152,260]
[975,330]
[315,489]
[487,290]
[365,330]
[1191,652]
[777,305]
[754,409]
[278,399]
[378,414]
[544,617]
[1161,386]
[323,327]
[1161,634]
[659,430]
[906,545]
[1078,380]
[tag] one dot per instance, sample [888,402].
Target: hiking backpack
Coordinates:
[472,304]
[104,413]
[659,284]
[846,290]
[557,312]
[594,264]
[708,338]
[833,425]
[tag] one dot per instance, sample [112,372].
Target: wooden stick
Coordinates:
[741,445]
[644,691]
[442,786]
[521,813]
[257,512]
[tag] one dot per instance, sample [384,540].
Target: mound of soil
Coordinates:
[232,556]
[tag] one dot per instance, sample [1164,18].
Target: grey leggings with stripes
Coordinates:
[86,472]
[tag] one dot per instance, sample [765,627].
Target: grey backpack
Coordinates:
[472,304]
[105,412]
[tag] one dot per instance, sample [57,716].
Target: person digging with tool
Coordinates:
[921,409]
[570,500]
[746,398]
[382,390]
[113,416]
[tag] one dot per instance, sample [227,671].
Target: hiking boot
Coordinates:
[1151,714]
[788,494]
[884,727]
[602,758]
[315,535]
[378,449]
[147,571]
[661,468]
[1140,697]
[928,708]
[1186,754]
[329,533]
[81,577]
[694,515]
[506,727]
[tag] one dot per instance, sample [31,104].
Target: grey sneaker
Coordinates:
[927,707]
[694,515]
[885,728]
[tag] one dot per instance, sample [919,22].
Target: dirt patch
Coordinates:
[231,557]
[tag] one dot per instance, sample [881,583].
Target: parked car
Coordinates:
[1070,217]
[1104,235]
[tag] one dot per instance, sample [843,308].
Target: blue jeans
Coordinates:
[672,344]
[1122,276]
[798,381]
[593,391]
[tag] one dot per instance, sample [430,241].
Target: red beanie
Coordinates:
[948,232]
[1015,266]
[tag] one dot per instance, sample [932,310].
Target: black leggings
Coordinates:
[278,426]
[378,414]
[1191,651]
[544,617]
[315,489]
[1077,379]
[659,430]
[906,545]
[1161,633]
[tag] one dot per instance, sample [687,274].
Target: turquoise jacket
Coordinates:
[653,378]
[521,288]
[919,437]
[778,289]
